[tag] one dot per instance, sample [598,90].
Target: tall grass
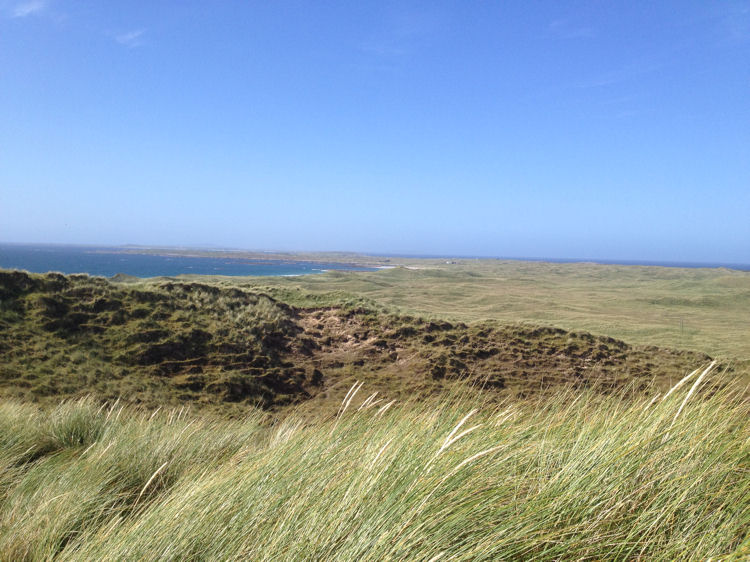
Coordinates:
[574,476]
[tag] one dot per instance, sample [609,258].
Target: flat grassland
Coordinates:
[705,310]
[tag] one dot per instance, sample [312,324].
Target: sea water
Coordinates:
[107,262]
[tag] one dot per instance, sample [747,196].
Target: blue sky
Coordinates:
[537,129]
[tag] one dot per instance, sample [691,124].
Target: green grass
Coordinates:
[577,475]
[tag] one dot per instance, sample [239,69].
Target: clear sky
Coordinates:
[541,129]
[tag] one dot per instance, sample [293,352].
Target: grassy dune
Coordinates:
[168,343]
[575,476]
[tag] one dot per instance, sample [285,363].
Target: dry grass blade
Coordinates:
[145,487]
[693,388]
[682,381]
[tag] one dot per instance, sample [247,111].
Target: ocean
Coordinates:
[107,262]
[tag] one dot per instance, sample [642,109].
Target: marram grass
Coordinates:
[575,476]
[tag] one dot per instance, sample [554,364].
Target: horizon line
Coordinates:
[693,264]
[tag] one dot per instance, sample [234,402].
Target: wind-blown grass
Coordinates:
[574,476]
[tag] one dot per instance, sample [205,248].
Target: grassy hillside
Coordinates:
[172,342]
[579,476]
[705,310]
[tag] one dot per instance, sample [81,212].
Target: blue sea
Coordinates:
[107,262]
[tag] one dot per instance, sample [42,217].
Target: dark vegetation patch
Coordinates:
[218,347]
[169,343]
